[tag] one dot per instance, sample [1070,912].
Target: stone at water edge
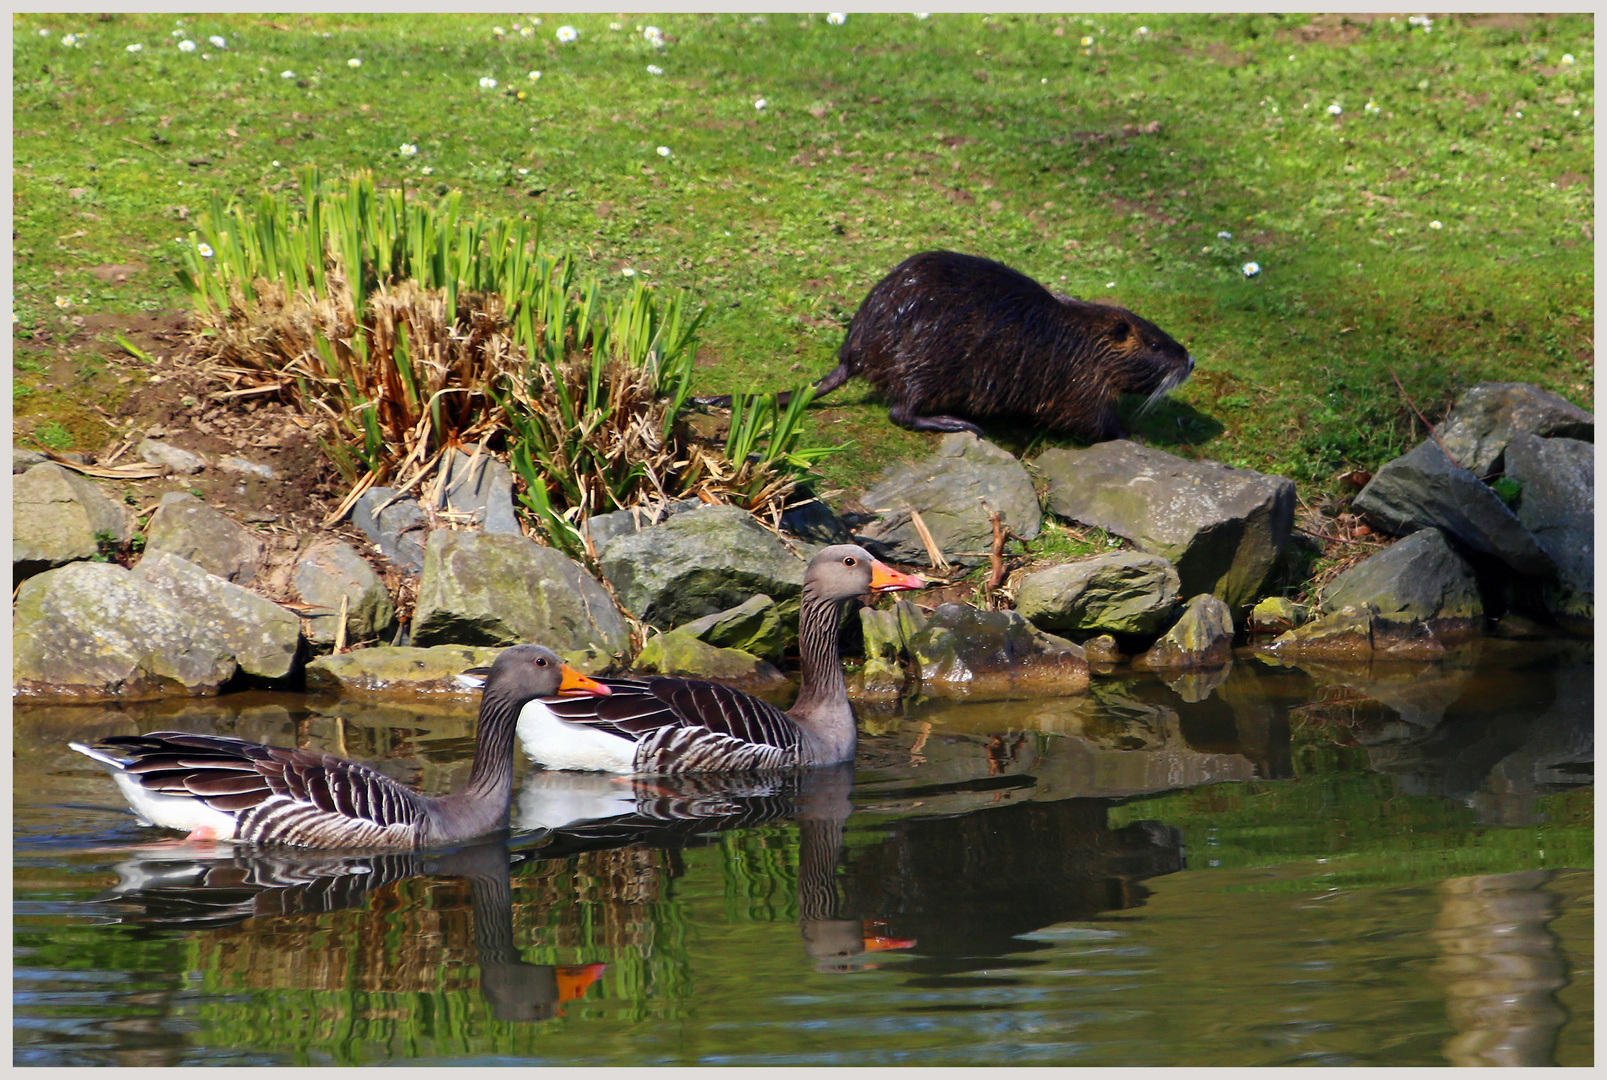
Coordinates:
[1274,615]
[1418,579]
[1201,637]
[1557,503]
[753,627]
[263,637]
[886,634]
[399,670]
[1222,528]
[953,491]
[491,589]
[95,632]
[680,653]
[964,651]
[56,517]
[1125,592]
[192,530]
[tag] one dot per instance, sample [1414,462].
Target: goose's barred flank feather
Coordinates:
[231,789]
[670,725]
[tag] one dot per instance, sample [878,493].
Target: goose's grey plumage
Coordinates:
[230,789]
[669,725]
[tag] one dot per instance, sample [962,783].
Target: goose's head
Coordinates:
[524,672]
[844,570]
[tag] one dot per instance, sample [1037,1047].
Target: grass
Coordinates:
[1106,171]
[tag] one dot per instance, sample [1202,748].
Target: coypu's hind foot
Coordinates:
[904,416]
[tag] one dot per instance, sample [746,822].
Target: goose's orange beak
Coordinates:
[573,980]
[884,578]
[575,685]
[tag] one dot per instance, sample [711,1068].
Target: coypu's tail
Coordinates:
[823,386]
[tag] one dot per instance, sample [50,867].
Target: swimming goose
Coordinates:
[220,788]
[666,725]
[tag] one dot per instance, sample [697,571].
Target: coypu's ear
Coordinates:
[1119,330]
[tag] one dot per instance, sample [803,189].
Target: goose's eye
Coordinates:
[541,661]
[849,560]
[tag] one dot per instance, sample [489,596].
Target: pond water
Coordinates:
[1333,864]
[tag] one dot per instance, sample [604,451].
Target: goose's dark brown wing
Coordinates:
[277,794]
[688,725]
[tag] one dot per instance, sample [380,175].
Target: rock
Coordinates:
[492,589]
[1102,650]
[23,460]
[753,627]
[397,670]
[965,651]
[399,527]
[1487,417]
[1357,633]
[680,653]
[1125,592]
[1222,528]
[953,491]
[699,562]
[330,571]
[1424,489]
[94,631]
[170,457]
[813,522]
[57,517]
[1557,504]
[1196,684]
[887,635]
[1274,615]
[482,490]
[263,637]
[603,528]
[192,530]
[1416,579]
[247,468]
[1202,637]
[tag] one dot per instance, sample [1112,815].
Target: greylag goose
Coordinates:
[220,788]
[666,725]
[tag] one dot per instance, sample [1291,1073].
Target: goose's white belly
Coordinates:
[174,811]
[559,744]
[553,799]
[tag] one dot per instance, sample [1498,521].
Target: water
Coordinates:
[1326,864]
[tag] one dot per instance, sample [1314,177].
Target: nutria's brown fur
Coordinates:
[949,333]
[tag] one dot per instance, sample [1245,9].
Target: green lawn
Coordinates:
[1435,229]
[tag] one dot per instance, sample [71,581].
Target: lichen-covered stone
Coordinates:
[397,670]
[1357,633]
[263,636]
[330,571]
[493,589]
[1416,579]
[953,491]
[1274,615]
[680,653]
[1125,592]
[94,631]
[886,634]
[1201,637]
[57,517]
[964,651]
[697,563]
[1222,528]
[753,627]
[1102,650]
[192,530]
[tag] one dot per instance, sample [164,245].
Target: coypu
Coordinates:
[949,332]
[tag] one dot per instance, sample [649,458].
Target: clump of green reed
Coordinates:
[411,327]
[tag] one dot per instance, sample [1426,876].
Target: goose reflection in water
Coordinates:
[184,892]
[581,811]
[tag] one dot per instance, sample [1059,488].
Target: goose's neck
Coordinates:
[822,707]
[481,805]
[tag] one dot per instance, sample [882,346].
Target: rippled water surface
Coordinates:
[1324,864]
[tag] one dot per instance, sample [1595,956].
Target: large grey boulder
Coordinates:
[1201,637]
[964,651]
[1425,489]
[398,526]
[1557,503]
[187,527]
[1486,418]
[1121,592]
[1223,528]
[480,489]
[94,631]
[1417,579]
[263,636]
[57,516]
[491,589]
[699,562]
[397,671]
[332,571]
[603,528]
[953,491]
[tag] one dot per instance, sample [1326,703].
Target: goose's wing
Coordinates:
[276,794]
[688,725]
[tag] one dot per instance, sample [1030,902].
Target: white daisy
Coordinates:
[836,18]
[567,33]
[1251,269]
[186,45]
